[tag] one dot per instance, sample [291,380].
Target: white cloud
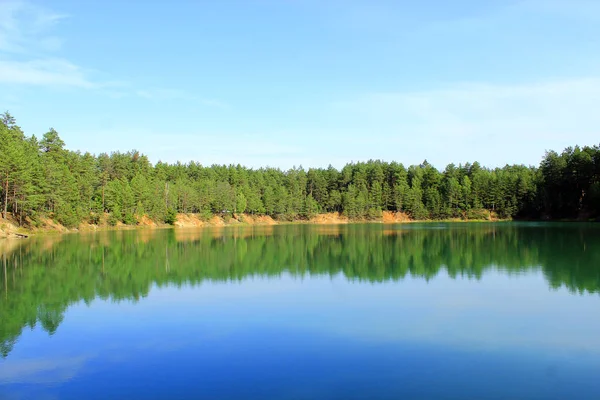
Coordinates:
[174,94]
[28,56]
[44,72]
[549,107]
[254,149]
[472,119]
[575,9]
[25,40]
[162,94]
[24,28]
[213,103]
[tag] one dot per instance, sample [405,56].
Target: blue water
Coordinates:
[506,335]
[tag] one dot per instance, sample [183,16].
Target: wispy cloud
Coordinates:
[30,55]
[163,94]
[174,94]
[44,72]
[483,119]
[575,9]
[27,28]
[28,46]
[213,103]
[555,106]
[283,149]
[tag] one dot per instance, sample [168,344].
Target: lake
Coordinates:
[366,311]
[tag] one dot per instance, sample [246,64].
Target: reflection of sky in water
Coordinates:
[41,370]
[323,331]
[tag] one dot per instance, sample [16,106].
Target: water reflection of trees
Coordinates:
[42,277]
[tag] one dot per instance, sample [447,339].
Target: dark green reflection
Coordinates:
[41,278]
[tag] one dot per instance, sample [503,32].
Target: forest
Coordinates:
[41,178]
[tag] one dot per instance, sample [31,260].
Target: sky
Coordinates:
[307,83]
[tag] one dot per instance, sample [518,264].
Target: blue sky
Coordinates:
[306,82]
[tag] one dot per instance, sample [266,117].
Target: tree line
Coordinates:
[41,178]
[40,279]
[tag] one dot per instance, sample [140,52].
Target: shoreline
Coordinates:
[9,230]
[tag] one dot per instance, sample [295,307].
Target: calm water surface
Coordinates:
[435,311]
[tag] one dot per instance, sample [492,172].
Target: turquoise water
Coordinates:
[432,311]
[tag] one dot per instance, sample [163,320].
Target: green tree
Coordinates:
[240,202]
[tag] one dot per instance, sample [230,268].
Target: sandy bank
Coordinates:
[10,228]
